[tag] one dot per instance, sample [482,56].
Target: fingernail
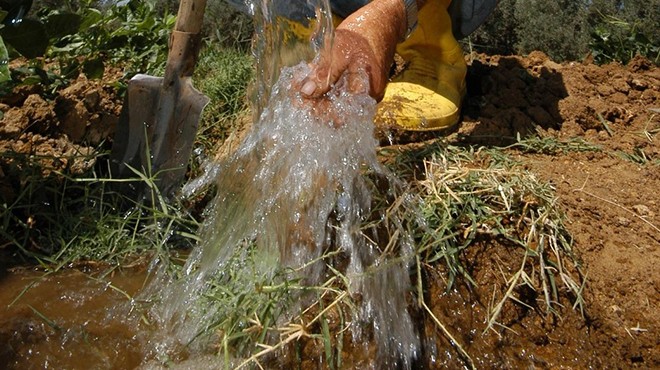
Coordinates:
[308,87]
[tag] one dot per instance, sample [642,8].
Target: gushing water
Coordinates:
[295,189]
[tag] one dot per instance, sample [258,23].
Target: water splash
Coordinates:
[295,188]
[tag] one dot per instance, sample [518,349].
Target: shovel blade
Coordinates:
[155,134]
[130,144]
[174,133]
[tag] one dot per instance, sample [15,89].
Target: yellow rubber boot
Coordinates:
[301,32]
[429,92]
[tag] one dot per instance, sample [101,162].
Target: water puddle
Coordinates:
[68,320]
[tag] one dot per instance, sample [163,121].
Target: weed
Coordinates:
[59,219]
[224,75]
[85,39]
[638,156]
[460,198]
[552,146]
[617,40]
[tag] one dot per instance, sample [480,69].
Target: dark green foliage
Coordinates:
[572,29]
[29,38]
[227,25]
[134,34]
[558,28]
[498,35]
[620,30]
[84,38]
[4,60]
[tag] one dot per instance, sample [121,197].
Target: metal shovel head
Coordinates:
[156,132]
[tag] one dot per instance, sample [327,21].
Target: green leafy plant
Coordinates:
[86,39]
[616,39]
[133,34]
[4,60]
[4,56]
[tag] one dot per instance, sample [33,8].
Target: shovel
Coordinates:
[160,116]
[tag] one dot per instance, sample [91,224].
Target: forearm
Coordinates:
[366,40]
[394,13]
[379,21]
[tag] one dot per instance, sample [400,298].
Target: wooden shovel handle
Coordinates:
[190,16]
[185,41]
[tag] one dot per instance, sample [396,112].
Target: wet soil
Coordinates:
[68,320]
[610,197]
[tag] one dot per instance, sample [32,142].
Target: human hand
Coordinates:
[337,107]
[364,41]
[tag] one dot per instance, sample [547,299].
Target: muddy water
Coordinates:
[68,320]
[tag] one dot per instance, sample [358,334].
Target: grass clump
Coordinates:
[552,146]
[259,317]
[223,74]
[59,218]
[480,198]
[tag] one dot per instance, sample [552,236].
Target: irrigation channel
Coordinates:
[286,230]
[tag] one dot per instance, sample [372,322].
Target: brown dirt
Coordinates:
[611,201]
[610,197]
[61,134]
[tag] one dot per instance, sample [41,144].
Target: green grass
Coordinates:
[222,74]
[55,215]
[470,194]
[458,198]
[60,219]
[638,154]
[552,146]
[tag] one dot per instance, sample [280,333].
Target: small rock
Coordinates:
[637,84]
[13,122]
[605,89]
[74,123]
[540,116]
[642,210]
[40,112]
[622,221]
[92,99]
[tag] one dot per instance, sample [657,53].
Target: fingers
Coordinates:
[316,83]
[324,73]
[351,53]
[358,80]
